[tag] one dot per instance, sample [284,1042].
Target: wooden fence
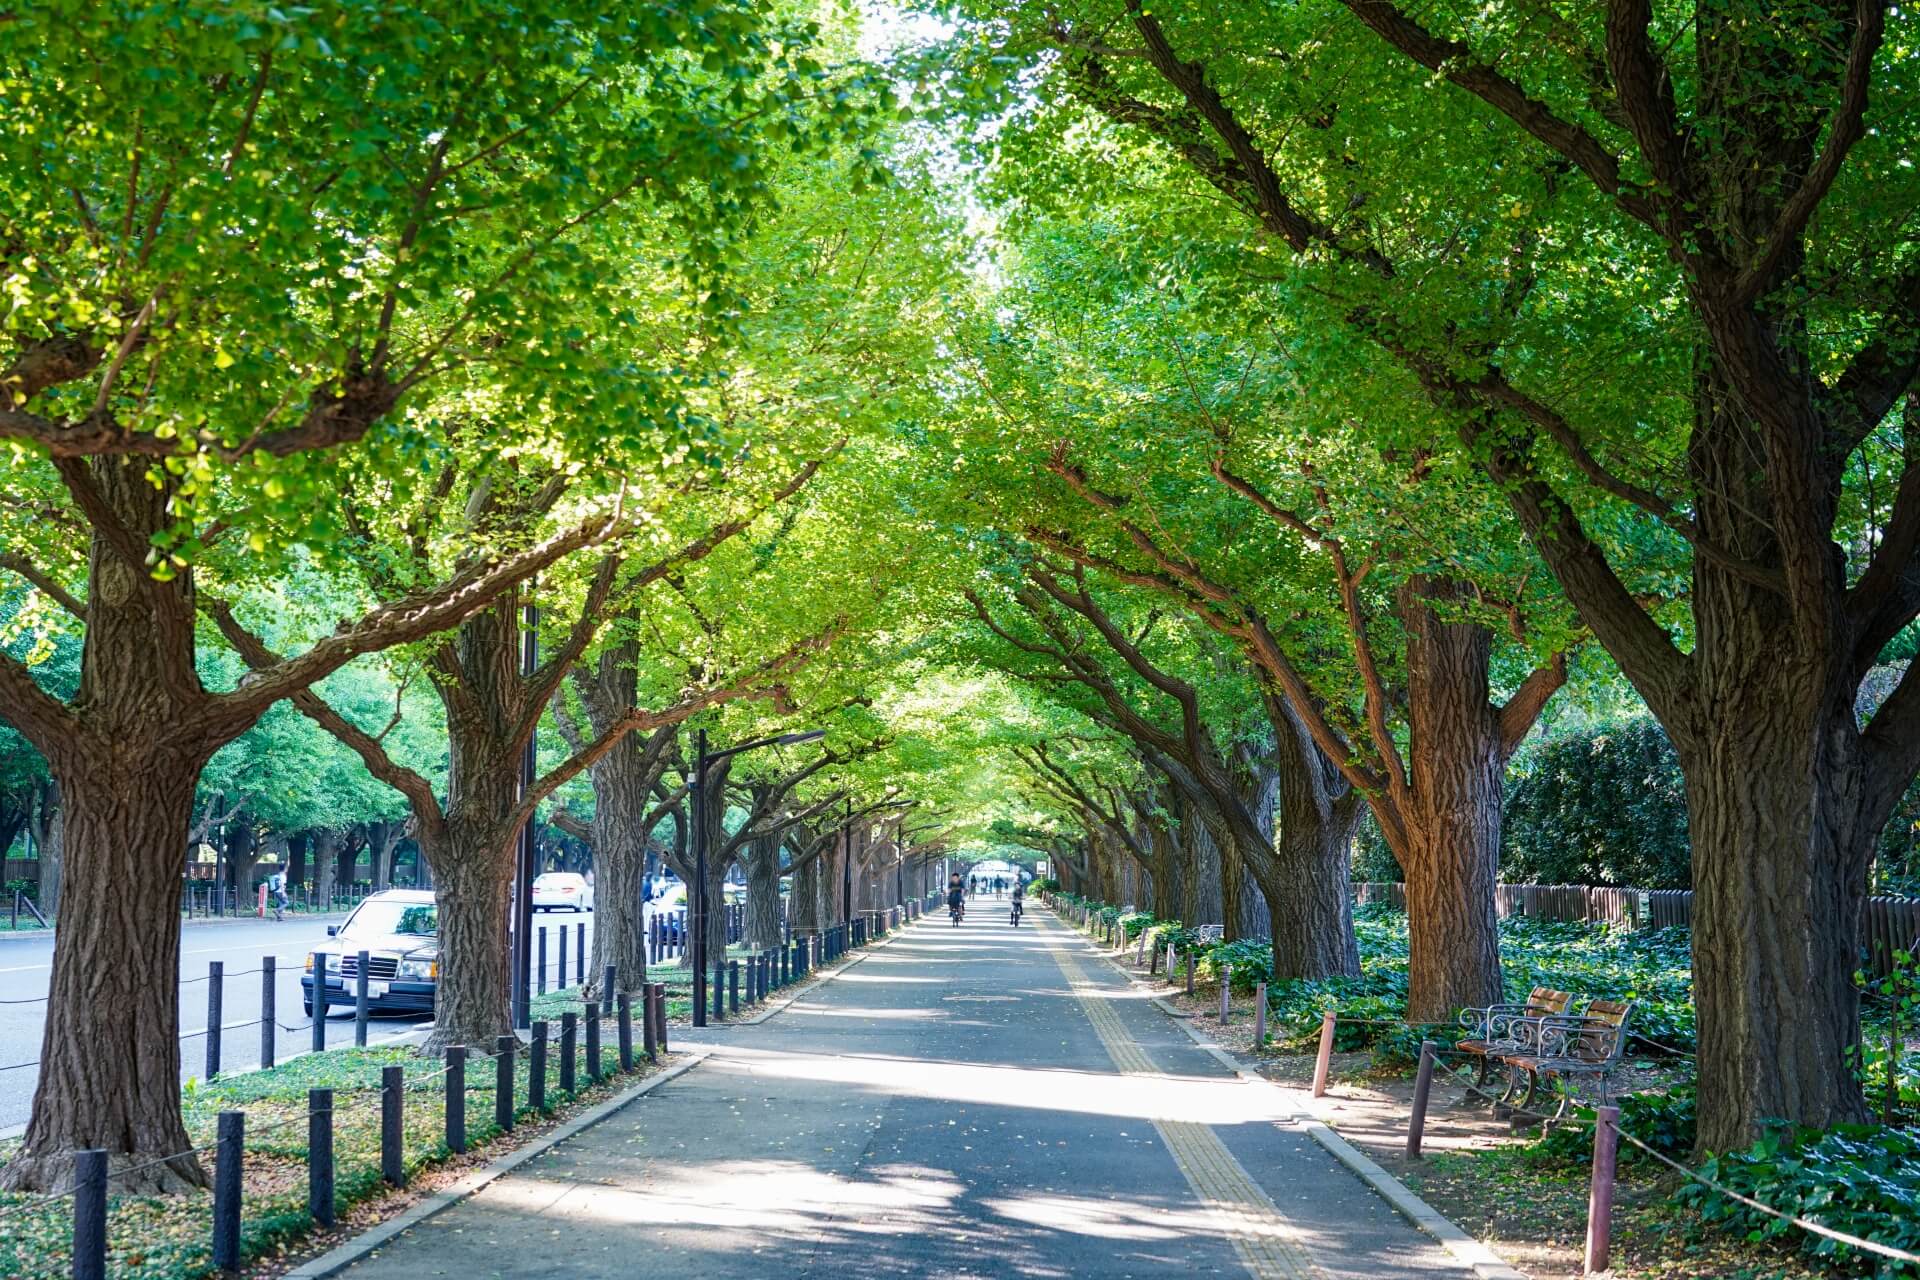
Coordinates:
[1887,925]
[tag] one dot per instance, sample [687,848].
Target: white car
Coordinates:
[562,891]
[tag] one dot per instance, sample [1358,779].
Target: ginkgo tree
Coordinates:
[248,244]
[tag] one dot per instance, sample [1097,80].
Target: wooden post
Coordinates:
[1422,1086]
[360,1003]
[90,1214]
[537,1068]
[320,1156]
[456,1107]
[624,1011]
[216,983]
[229,1155]
[569,1047]
[1606,1146]
[393,1085]
[1226,992]
[1324,1063]
[1192,961]
[267,1025]
[593,1041]
[319,1015]
[503,1047]
[1260,1016]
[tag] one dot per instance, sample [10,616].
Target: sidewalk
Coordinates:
[981,1101]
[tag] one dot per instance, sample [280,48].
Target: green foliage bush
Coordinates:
[1601,805]
[1854,1178]
[1664,1121]
[1045,884]
[1133,923]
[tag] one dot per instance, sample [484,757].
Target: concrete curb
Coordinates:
[1483,1261]
[338,1259]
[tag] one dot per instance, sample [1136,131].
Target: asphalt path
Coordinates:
[980,1101]
[26,969]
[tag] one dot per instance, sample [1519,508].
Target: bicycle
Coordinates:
[1016,913]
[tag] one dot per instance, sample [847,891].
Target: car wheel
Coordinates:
[307,1005]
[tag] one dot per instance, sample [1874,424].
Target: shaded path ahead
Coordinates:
[980,1101]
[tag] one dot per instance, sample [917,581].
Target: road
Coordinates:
[981,1102]
[25,970]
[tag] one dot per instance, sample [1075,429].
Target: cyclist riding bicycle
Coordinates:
[956,899]
[1019,900]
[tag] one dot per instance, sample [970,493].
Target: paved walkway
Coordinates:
[981,1101]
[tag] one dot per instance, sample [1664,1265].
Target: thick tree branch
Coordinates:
[414,617]
[1522,711]
[1847,128]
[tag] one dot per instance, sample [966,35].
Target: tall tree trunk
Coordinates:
[473,867]
[761,858]
[242,852]
[110,1052]
[47,818]
[1166,872]
[805,902]
[346,858]
[1456,759]
[1779,879]
[326,864]
[297,860]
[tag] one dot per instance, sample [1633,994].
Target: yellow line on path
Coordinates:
[1267,1243]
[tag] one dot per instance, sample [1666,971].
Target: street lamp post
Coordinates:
[697,949]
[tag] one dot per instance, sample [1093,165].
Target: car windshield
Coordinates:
[381,919]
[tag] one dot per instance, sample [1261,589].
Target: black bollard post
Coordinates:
[569,1043]
[216,983]
[267,1024]
[608,982]
[660,1014]
[228,1155]
[540,983]
[562,984]
[318,1039]
[719,991]
[626,1032]
[580,951]
[649,1044]
[503,1047]
[393,1096]
[320,1156]
[360,1001]
[593,1041]
[90,1215]
[733,986]
[537,1068]
[456,1099]
[786,965]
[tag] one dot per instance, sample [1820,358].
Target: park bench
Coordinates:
[1210,932]
[1561,1048]
[1493,1030]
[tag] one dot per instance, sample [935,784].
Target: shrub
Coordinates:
[1044,884]
[1600,805]
[1133,923]
[1664,1121]
[1854,1178]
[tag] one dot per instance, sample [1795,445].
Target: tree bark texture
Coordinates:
[1456,760]
[110,1052]
[47,819]
[761,858]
